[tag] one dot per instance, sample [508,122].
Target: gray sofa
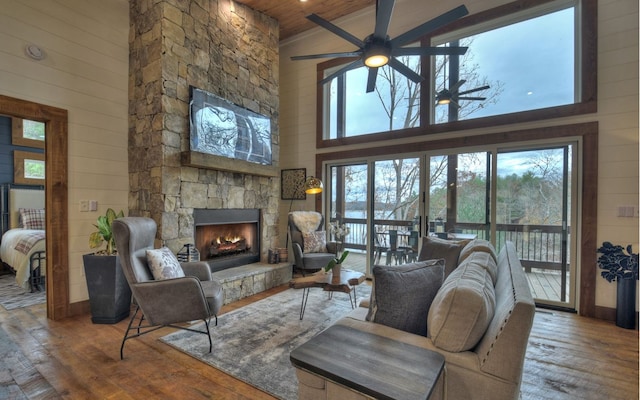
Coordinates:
[479,320]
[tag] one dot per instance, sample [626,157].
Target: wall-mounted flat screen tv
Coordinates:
[222,128]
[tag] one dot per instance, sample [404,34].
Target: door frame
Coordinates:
[56,200]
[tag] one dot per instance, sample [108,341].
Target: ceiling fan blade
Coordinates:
[429,51]
[356,64]
[384,9]
[455,104]
[471,98]
[328,55]
[474,90]
[335,29]
[404,70]
[371,80]
[421,30]
[456,86]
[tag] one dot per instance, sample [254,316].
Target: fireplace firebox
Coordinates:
[227,238]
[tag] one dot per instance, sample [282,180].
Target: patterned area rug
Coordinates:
[253,343]
[13,296]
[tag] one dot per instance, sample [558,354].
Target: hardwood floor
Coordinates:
[569,357]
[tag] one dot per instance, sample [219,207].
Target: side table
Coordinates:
[370,365]
[346,282]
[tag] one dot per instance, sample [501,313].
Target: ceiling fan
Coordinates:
[453,94]
[378,50]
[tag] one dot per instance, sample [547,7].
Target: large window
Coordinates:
[510,66]
[525,61]
[395,103]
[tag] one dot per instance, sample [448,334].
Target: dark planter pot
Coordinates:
[626,303]
[109,292]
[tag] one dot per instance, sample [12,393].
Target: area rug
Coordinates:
[13,296]
[253,343]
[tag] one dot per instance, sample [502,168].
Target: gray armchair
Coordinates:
[162,302]
[309,261]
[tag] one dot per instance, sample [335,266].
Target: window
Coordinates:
[509,66]
[526,61]
[27,133]
[28,168]
[394,105]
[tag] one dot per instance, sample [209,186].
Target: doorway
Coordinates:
[56,126]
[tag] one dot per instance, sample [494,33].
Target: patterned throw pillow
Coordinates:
[315,242]
[32,218]
[164,264]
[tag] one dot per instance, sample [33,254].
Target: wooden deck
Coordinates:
[544,284]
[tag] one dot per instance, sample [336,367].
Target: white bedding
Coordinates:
[16,259]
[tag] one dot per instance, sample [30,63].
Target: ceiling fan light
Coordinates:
[376,60]
[376,52]
[443,97]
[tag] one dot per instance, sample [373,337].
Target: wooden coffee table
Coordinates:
[346,282]
[375,366]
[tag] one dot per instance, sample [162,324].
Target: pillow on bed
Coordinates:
[32,218]
[164,264]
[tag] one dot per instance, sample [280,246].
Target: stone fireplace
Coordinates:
[230,50]
[224,48]
[227,238]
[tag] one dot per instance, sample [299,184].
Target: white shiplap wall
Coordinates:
[85,72]
[617,106]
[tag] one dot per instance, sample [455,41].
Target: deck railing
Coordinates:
[538,246]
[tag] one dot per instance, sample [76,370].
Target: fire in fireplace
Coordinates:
[228,244]
[227,238]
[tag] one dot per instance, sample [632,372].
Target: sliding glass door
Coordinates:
[522,195]
[535,211]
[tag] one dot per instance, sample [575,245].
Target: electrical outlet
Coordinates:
[93,205]
[84,205]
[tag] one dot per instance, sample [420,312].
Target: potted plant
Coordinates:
[109,292]
[621,267]
[335,264]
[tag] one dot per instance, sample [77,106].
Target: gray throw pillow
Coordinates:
[434,248]
[402,294]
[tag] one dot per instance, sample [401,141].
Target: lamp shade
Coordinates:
[313,185]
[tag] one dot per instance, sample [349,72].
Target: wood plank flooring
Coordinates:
[569,357]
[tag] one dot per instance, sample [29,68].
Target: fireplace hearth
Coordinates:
[227,238]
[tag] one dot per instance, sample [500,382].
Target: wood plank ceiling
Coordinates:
[291,13]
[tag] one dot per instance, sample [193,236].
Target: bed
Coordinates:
[23,247]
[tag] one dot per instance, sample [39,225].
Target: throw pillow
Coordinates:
[315,242]
[32,218]
[434,248]
[164,264]
[477,245]
[483,260]
[403,294]
[463,308]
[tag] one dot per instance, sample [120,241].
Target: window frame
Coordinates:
[19,177]
[586,71]
[17,135]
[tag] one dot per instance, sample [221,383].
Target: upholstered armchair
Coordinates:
[308,240]
[184,293]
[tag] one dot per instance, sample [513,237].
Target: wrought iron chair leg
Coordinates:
[126,333]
